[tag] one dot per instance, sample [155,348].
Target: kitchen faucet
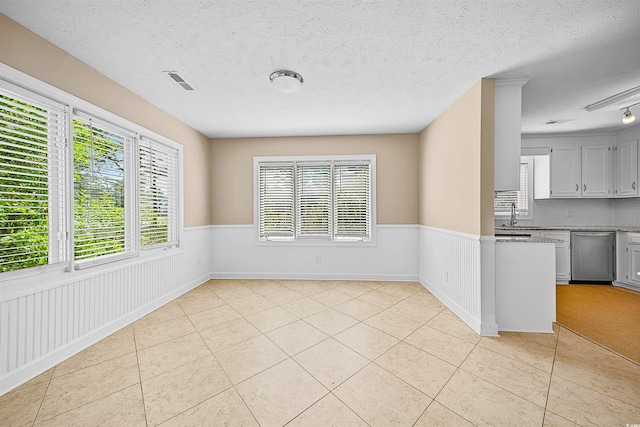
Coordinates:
[513,220]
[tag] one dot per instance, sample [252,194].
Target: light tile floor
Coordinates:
[318,353]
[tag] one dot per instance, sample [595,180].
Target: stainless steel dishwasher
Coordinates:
[593,256]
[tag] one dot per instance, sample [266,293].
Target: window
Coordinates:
[352,192]
[313,213]
[276,200]
[101,189]
[330,198]
[32,173]
[79,189]
[158,194]
[522,198]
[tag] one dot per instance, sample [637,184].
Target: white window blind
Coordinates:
[316,198]
[32,176]
[352,204]
[158,190]
[504,199]
[102,197]
[313,195]
[276,200]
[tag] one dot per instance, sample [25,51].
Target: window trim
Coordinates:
[61,226]
[520,214]
[173,227]
[306,241]
[73,104]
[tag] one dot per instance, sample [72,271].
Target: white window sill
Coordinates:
[315,243]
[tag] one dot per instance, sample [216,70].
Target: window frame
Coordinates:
[173,203]
[131,211]
[57,223]
[522,214]
[312,241]
[71,103]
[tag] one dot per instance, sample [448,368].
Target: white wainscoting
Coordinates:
[39,329]
[48,323]
[451,267]
[235,254]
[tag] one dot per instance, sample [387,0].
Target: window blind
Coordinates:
[276,200]
[102,155]
[352,205]
[313,187]
[158,190]
[32,175]
[503,200]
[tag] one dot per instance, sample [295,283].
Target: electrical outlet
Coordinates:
[446,276]
[318,259]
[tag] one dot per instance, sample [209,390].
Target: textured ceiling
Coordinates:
[368,66]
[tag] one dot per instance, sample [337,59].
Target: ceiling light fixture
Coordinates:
[615,98]
[628,117]
[286,81]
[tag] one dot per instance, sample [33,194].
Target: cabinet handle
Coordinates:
[584,187]
[633,185]
[577,187]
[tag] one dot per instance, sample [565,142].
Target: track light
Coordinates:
[628,117]
[613,99]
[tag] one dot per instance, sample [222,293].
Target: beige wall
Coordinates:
[456,164]
[416,174]
[31,54]
[396,180]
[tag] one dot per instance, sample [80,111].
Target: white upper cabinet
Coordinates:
[565,172]
[596,171]
[627,169]
[507,134]
[586,171]
[598,166]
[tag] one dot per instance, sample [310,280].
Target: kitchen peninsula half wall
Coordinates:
[525,284]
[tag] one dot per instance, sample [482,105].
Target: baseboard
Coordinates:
[465,316]
[316,276]
[626,286]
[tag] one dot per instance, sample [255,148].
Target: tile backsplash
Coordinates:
[627,212]
[560,212]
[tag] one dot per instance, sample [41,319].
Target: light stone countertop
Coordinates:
[526,239]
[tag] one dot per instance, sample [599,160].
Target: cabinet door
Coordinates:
[565,172]
[634,264]
[563,254]
[596,171]
[627,169]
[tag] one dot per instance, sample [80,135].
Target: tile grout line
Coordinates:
[591,389]
[458,368]
[212,355]
[81,369]
[44,395]
[144,406]
[370,362]
[449,380]
[364,321]
[325,339]
[553,364]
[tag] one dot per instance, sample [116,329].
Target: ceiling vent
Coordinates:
[556,122]
[176,78]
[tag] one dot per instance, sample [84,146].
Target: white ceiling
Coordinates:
[369,66]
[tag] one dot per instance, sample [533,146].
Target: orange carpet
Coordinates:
[605,314]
